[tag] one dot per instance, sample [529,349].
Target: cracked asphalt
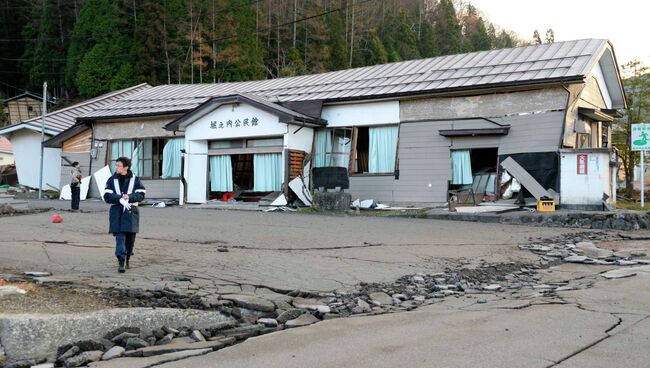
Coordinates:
[600,323]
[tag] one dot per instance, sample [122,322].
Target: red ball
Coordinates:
[57,219]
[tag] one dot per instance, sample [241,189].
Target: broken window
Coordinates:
[375,150]
[332,147]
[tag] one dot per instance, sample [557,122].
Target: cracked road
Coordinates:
[600,323]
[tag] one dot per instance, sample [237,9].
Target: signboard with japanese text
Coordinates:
[640,137]
[582,166]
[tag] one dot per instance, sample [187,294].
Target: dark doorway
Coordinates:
[484,160]
[242,172]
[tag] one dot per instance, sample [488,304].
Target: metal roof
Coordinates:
[60,120]
[528,65]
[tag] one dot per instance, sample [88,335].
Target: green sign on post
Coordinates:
[640,137]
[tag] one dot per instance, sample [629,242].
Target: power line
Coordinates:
[65,59]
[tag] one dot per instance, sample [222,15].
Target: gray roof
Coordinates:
[528,65]
[60,120]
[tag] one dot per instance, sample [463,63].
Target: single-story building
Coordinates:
[406,132]
[25,136]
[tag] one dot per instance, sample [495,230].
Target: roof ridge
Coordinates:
[86,102]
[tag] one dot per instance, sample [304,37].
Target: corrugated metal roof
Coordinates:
[520,65]
[59,120]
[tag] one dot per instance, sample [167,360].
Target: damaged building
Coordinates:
[467,128]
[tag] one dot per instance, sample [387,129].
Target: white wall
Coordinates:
[600,77]
[585,189]
[200,132]
[301,140]
[196,170]
[6,158]
[370,113]
[267,124]
[26,145]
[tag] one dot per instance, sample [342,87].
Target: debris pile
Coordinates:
[581,248]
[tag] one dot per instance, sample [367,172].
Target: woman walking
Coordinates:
[124,191]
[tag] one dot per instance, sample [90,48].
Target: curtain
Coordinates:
[461,167]
[382,147]
[135,160]
[221,173]
[267,172]
[321,147]
[172,158]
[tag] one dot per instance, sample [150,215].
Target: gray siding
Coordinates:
[158,189]
[425,159]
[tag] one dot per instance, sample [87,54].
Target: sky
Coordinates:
[626,23]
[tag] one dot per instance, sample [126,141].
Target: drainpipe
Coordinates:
[183,181]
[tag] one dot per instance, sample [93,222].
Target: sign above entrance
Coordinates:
[246,122]
[640,137]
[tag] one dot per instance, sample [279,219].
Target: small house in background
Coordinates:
[25,137]
[6,152]
[24,107]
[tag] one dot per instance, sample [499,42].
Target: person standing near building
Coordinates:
[124,191]
[75,185]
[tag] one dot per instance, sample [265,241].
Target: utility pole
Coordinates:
[44,111]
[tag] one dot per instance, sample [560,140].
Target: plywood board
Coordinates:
[298,187]
[101,177]
[66,192]
[525,178]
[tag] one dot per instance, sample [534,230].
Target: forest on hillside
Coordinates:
[84,48]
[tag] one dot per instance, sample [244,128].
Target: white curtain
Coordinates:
[221,173]
[172,158]
[382,149]
[267,172]
[461,167]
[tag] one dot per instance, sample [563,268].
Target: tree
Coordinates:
[100,59]
[447,29]
[637,89]
[550,36]
[537,40]
[50,24]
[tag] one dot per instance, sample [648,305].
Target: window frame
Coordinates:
[353,151]
[155,159]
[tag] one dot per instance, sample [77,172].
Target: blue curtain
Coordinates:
[267,172]
[321,147]
[172,158]
[135,160]
[382,147]
[221,173]
[461,167]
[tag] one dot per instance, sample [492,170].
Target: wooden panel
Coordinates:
[592,95]
[80,143]
[296,160]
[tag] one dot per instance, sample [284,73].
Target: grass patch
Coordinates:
[632,206]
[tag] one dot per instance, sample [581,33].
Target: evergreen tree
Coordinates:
[100,58]
[11,25]
[375,52]
[480,39]
[51,25]
[550,36]
[338,51]
[537,40]
[427,44]
[447,29]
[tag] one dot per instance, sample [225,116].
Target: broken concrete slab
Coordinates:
[11,290]
[381,298]
[250,302]
[303,320]
[626,272]
[590,250]
[17,332]
[307,303]
[149,361]
[182,346]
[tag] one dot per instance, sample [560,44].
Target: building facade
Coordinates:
[407,132]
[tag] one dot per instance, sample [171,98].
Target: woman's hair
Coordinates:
[126,162]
